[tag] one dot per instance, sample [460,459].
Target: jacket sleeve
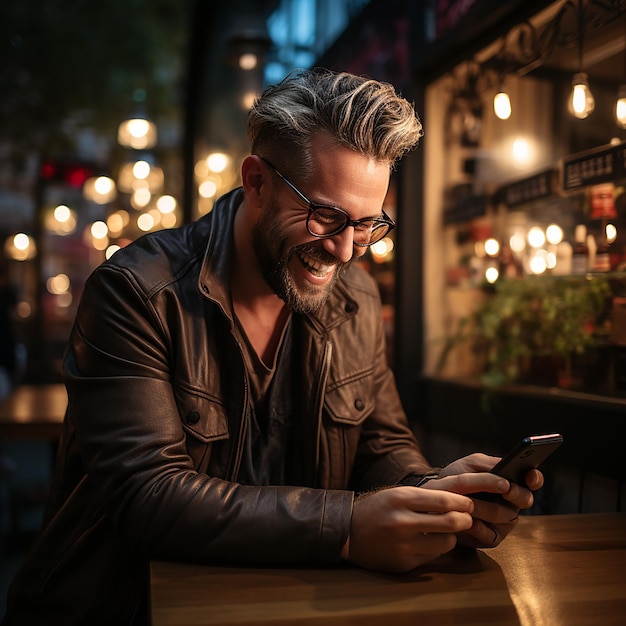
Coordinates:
[118,371]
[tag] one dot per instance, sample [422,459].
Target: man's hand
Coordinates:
[493,521]
[399,528]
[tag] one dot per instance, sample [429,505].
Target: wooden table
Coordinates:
[560,570]
[33,412]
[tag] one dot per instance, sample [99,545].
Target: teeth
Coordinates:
[315,266]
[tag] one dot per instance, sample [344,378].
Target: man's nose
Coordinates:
[341,246]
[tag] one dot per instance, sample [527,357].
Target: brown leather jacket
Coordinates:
[152,442]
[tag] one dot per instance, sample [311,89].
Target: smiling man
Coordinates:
[229,396]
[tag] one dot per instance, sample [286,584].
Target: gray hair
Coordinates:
[362,114]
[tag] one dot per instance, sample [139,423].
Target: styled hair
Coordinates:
[362,114]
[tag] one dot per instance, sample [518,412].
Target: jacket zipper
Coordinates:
[319,404]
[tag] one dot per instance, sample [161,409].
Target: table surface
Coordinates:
[552,570]
[33,412]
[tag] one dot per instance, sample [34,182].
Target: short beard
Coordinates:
[269,244]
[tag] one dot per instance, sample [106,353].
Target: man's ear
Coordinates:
[253,179]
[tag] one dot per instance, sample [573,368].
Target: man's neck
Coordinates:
[261,313]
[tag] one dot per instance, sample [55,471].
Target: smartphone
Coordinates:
[529,453]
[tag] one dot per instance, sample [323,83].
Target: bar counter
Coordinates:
[553,570]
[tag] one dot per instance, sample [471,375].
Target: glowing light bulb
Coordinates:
[502,105]
[581,101]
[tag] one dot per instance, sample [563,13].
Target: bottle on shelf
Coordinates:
[580,250]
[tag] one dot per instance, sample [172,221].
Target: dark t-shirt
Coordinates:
[270,455]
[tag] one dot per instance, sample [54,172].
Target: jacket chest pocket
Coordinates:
[346,407]
[205,422]
[351,402]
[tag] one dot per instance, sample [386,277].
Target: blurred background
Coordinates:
[119,118]
[504,285]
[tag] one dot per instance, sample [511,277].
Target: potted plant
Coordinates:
[533,329]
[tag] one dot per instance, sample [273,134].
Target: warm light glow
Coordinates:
[61,220]
[217,162]
[522,152]
[111,250]
[20,247]
[581,102]
[538,263]
[248,98]
[140,198]
[492,247]
[382,249]
[201,169]
[23,309]
[97,235]
[248,61]
[141,169]
[166,204]
[99,230]
[620,107]
[99,189]
[502,105]
[168,220]
[145,222]
[536,237]
[21,241]
[207,189]
[517,243]
[554,234]
[58,284]
[62,213]
[156,215]
[491,274]
[115,222]
[137,133]
[63,300]
[611,233]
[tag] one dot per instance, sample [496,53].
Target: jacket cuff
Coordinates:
[417,480]
[336,522]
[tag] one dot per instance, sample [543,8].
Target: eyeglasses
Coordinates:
[327,221]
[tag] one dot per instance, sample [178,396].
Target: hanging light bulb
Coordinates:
[502,105]
[581,101]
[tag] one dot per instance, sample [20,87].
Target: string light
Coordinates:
[581,102]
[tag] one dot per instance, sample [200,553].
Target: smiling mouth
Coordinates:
[314,266]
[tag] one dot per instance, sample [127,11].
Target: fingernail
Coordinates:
[503,486]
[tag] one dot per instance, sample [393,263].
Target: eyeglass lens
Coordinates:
[327,221]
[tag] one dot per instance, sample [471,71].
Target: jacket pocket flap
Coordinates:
[202,417]
[352,402]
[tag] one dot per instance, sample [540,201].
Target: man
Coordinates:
[229,398]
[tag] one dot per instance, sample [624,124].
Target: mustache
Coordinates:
[319,254]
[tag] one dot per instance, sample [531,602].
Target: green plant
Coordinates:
[535,316]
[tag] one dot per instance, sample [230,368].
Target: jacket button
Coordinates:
[193,417]
[359,405]
[350,307]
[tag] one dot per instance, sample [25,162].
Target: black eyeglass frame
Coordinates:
[385,221]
